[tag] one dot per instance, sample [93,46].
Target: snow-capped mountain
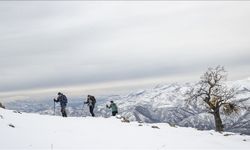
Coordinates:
[161,104]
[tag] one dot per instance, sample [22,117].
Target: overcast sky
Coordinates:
[56,45]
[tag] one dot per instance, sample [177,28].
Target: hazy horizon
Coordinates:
[107,47]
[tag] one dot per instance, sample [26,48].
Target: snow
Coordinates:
[33,131]
[164,103]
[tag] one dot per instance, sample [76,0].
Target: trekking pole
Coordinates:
[54,107]
[83,107]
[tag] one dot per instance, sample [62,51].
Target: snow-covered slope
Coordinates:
[166,103]
[33,131]
[161,104]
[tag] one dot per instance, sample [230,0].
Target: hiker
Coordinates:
[113,107]
[91,103]
[2,106]
[63,102]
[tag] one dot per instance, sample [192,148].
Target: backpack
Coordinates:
[92,98]
[64,99]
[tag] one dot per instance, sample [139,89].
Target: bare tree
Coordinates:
[212,90]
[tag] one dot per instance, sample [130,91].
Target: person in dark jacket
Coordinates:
[113,107]
[63,102]
[91,103]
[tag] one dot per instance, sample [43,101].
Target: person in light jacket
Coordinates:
[113,108]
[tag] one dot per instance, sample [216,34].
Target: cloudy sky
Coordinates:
[79,45]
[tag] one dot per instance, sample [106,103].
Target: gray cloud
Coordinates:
[53,44]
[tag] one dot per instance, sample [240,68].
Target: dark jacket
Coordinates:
[91,101]
[62,99]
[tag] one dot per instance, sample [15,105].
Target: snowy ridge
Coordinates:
[161,104]
[32,131]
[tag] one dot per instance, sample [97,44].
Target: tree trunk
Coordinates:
[218,122]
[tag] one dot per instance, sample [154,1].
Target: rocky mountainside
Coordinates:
[163,103]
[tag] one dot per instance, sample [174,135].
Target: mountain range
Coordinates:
[164,103]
